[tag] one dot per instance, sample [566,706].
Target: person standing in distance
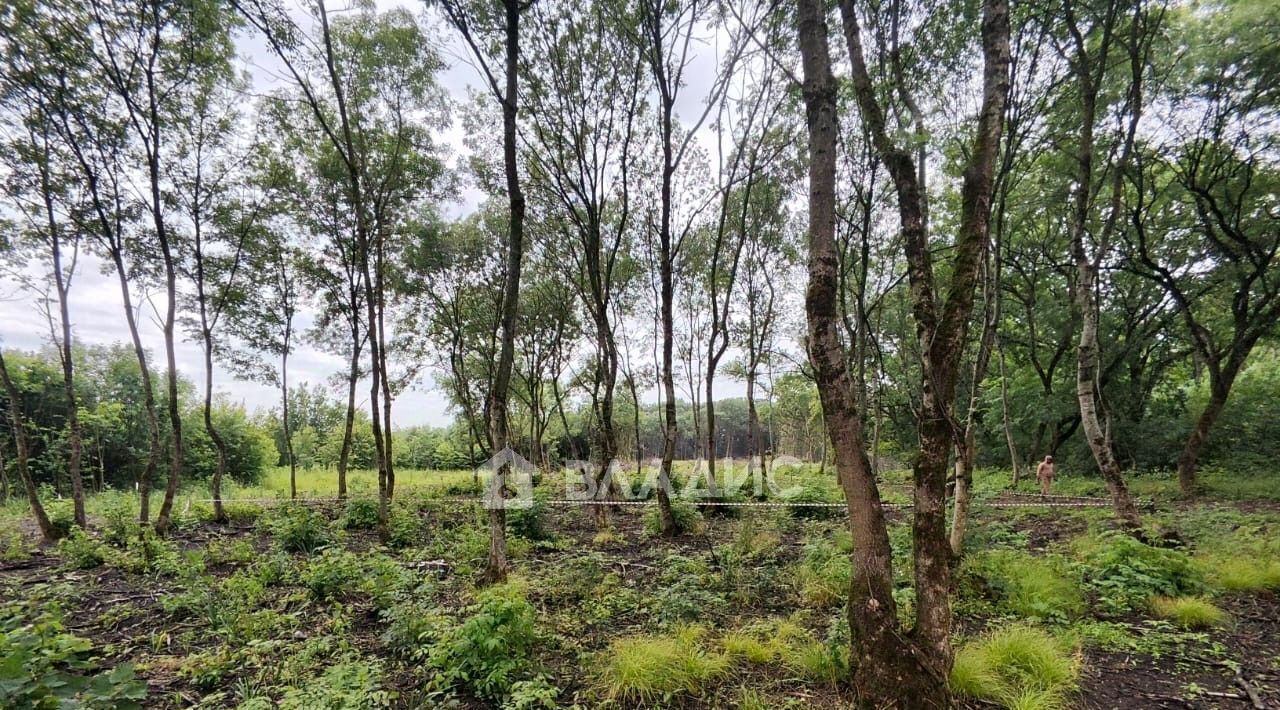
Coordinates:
[1044,473]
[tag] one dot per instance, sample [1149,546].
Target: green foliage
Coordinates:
[1017,667]
[347,685]
[813,493]
[404,527]
[489,651]
[1189,612]
[656,670]
[686,591]
[44,666]
[361,514]
[530,522]
[822,575]
[1125,572]
[684,514]
[80,551]
[13,546]
[297,528]
[1030,586]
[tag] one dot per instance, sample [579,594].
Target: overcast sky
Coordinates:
[96,306]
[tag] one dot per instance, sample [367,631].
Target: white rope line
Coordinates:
[1089,503]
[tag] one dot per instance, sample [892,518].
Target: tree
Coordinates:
[1202,227]
[471,23]
[586,142]
[894,666]
[18,429]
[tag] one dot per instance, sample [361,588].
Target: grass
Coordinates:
[1017,667]
[1029,586]
[644,670]
[1190,612]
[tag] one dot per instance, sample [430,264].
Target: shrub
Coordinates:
[298,529]
[225,551]
[361,514]
[489,651]
[119,523]
[80,551]
[242,512]
[1125,572]
[530,522]
[62,518]
[683,512]
[642,670]
[1189,612]
[1031,586]
[1018,666]
[404,527]
[331,573]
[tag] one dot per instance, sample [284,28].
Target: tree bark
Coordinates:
[1085,287]
[20,445]
[348,424]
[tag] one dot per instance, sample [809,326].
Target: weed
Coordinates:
[361,514]
[530,522]
[298,529]
[644,670]
[1189,612]
[812,494]
[44,666]
[347,685]
[820,662]
[1240,574]
[1125,572]
[227,551]
[683,512]
[822,576]
[490,650]
[80,551]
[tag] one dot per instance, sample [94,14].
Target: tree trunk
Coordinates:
[20,446]
[148,391]
[348,424]
[219,515]
[74,435]
[497,566]
[1219,391]
[886,670]
[1014,458]
[284,423]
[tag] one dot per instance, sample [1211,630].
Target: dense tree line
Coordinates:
[1024,229]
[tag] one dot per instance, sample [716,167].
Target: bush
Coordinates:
[1125,572]
[299,529]
[62,518]
[404,527]
[361,514]
[331,573]
[80,551]
[642,670]
[1018,666]
[1189,612]
[684,513]
[530,522]
[490,651]
[1030,586]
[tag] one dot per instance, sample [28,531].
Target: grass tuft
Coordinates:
[1241,574]
[643,670]
[1017,667]
[1190,612]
